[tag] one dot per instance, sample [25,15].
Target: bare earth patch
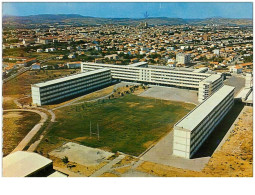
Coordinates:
[235,158]
[16,126]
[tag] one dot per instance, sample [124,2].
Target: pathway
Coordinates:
[108,166]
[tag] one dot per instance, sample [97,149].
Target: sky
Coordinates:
[133,10]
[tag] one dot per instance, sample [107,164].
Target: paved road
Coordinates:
[33,131]
[20,71]
[161,153]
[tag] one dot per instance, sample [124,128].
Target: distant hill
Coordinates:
[75,19]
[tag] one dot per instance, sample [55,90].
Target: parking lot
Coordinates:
[236,81]
[171,93]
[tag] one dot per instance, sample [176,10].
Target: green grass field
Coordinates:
[129,124]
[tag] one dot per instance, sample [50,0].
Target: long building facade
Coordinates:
[192,130]
[139,72]
[150,75]
[54,90]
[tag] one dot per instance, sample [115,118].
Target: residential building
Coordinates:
[209,85]
[192,130]
[73,64]
[138,72]
[183,58]
[55,90]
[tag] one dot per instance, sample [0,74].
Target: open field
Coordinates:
[129,124]
[16,125]
[20,86]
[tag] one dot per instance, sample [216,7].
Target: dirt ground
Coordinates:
[235,158]
[20,86]
[166,171]
[76,168]
[16,125]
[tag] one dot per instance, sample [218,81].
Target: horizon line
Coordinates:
[126,17]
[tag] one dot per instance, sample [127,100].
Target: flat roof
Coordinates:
[138,64]
[212,78]
[243,93]
[75,76]
[57,174]
[22,164]
[180,70]
[201,69]
[196,116]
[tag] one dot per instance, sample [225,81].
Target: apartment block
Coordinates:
[139,73]
[193,129]
[209,85]
[182,58]
[54,90]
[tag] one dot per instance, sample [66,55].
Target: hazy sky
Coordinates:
[133,10]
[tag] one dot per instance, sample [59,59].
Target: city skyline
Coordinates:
[193,10]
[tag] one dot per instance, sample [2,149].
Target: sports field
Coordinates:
[128,124]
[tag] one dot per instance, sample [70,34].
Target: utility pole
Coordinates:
[97,131]
[90,132]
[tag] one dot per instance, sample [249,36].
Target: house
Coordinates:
[112,57]
[71,56]
[35,66]
[44,40]
[235,69]
[60,57]
[73,64]
[39,50]
[50,50]
[99,60]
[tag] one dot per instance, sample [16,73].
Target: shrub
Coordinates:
[65,160]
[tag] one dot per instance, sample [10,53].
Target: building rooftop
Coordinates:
[203,69]
[151,67]
[22,164]
[212,78]
[75,76]
[197,115]
[138,64]
[57,174]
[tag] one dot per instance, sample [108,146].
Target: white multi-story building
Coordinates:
[182,58]
[209,85]
[216,52]
[54,90]
[248,80]
[140,73]
[192,130]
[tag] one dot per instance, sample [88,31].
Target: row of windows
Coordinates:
[209,121]
[195,146]
[164,71]
[218,107]
[70,94]
[53,94]
[72,81]
[49,91]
